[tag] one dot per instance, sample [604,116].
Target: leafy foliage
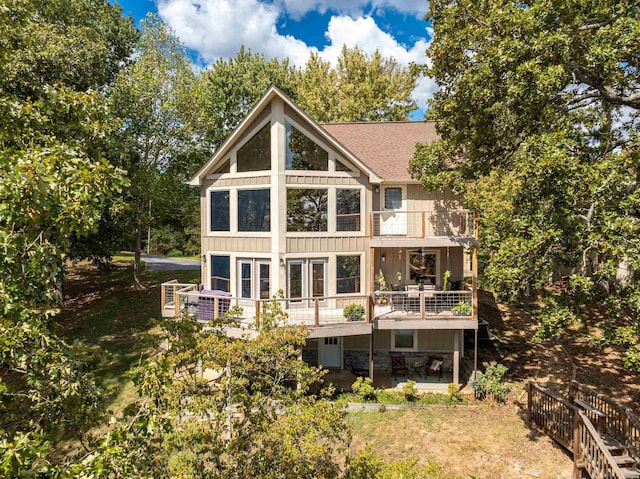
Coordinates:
[366,464]
[538,120]
[491,383]
[363,388]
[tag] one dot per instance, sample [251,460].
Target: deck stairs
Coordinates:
[603,435]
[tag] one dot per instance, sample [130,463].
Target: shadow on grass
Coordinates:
[104,313]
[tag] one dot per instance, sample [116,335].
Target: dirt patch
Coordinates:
[486,441]
[553,363]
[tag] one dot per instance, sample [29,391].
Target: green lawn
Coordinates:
[103,311]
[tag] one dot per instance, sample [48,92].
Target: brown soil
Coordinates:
[553,363]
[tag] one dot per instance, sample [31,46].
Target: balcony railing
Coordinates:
[426,304]
[179,299]
[422,224]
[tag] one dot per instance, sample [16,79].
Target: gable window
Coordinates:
[219,210]
[340,166]
[220,272]
[307,209]
[404,340]
[255,154]
[392,198]
[254,210]
[303,153]
[348,210]
[348,274]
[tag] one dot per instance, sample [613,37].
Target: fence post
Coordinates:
[529,393]
[577,460]
[316,311]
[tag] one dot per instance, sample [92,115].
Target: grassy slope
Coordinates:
[103,310]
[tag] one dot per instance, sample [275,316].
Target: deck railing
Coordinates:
[591,453]
[552,413]
[617,421]
[169,290]
[425,303]
[312,311]
[422,224]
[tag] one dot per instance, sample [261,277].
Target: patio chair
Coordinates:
[398,365]
[434,365]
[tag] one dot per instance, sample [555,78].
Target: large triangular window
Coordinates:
[255,154]
[303,153]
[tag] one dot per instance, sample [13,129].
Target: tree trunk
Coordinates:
[137,280]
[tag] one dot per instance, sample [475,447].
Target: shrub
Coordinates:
[409,391]
[174,253]
[491,384]
[454,393]
[353,312]
[363,388]
[462,309]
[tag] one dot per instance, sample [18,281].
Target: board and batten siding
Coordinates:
[242,181]
[330,244]
[259,244]
[293,180]
[428,340]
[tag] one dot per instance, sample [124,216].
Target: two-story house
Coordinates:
[372,264]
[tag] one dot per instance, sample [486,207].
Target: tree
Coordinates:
[538,120]
[54,124]
[360,88]
[232,87]
[155,96]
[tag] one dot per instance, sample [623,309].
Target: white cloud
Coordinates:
[217,28]
[354,8]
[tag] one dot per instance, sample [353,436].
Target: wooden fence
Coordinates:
[552,413]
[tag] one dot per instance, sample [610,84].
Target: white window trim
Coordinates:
[438,272]
[313,138]
[393,341]
[303,288]
[343,253]
[208,208]
[325,266]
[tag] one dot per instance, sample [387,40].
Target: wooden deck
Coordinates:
[603,436]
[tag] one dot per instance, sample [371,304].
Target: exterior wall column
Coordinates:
[456,356]
[278,194]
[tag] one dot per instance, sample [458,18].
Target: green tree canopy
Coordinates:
[538,114]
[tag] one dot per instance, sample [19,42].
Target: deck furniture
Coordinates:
[434,365]
[398,365]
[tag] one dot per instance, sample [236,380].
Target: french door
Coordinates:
[306,280]
[254,278]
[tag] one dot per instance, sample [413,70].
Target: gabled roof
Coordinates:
[270,94]
[385,147]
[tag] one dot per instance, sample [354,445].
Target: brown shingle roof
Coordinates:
[386,147]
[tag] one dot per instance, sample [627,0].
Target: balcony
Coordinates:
[324,316]
[422,224]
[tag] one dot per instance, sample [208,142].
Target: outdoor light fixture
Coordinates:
[377,189]
[399,254]
[282,262]
[384,258]
[204,258]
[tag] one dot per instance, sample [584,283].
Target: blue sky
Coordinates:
[213,29]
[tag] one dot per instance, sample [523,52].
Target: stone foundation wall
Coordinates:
[310,356]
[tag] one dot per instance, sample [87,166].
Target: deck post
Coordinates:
[257,306]
[422,305]
[216,303]
[371,356]
[367,309]
[577,460]
[424,224]
[176,304]
[529,404]
[475,354]
[456,356]
[316,311]
[372,270]
[162,296]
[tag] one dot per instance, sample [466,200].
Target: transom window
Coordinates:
[348,210]
[307,209]
[303,153]
[254,210]
[255,154]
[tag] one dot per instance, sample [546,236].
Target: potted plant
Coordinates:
[381,281]
[399,276]
[353,312]
[462,309]
[445,280]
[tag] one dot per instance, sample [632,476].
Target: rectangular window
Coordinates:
[348,274]
[220,273]
[317,279]
[264,274]
[254,210]
[295,280]
[245,279]
[393,198]
[307,209]
[303,153]
[255,154]
[348,210]
[404,339]
[219,210]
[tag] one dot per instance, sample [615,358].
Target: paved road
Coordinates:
[162,263]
